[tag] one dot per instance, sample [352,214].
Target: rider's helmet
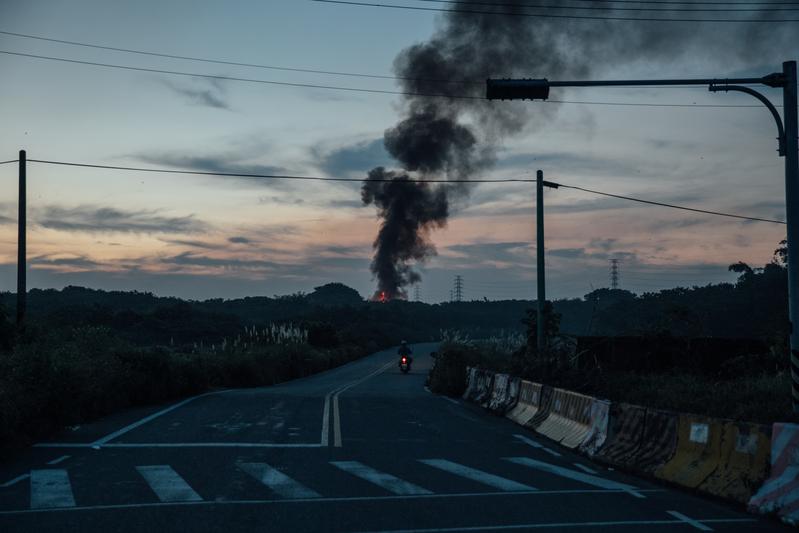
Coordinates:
[404,343]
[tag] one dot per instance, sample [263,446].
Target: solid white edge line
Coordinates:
[60,459]
[576,492]
[557,525]
[528,441]
[586,469]
[690,521]
[15,480]
[326,420]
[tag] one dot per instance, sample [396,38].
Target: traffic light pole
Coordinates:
[538,89]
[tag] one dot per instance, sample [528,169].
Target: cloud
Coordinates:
[95,219]
[240,240]
[193,243]
[71,263]
[358,158]
[205,92]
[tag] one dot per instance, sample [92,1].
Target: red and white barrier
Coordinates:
[780,493]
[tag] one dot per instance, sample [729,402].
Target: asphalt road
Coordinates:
[359,448]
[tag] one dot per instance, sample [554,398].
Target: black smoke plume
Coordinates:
[449,131]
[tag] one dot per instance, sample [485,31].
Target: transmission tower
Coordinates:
[458,288]
[416,296]
[614,273]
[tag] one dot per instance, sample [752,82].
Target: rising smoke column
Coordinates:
[454,135]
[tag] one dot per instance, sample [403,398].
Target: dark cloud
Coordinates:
[95,219]
[240,240]
[352,158]
[204,92]
[229,263]
[78,262]
[193,243]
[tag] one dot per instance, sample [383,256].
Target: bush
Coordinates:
[448,375]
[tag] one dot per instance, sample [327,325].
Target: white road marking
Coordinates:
[572,474]
[562,525]
[450,400]
[278,481]
[60,459]
[326,420]
[130,427]
[190,445]
[167,484]
[337,392]
[589,492]
[51,488]
[585,468]
[15,480]
[690,521]
[381,479]
[535,444]
[474,474]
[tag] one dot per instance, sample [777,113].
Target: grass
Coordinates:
[757,396]
[71,376]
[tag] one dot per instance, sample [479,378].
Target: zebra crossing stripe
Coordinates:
[167,484]
[277,481]
[381,479]
[572,474]
[51,488]
[474,474]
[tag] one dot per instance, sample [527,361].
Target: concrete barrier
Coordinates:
[500,398]
[658,441]
[598,434]
[624,437]
[485,383]
[744,463]
[569,418]
[529,401]
[544,407]
[780,493]
[698,451]
[471,383]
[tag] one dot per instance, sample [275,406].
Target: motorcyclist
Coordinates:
[405,351]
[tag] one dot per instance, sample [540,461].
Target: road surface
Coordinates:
[359,448]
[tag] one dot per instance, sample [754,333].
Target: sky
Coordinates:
[204,237]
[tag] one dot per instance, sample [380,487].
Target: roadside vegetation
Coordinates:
[751,382]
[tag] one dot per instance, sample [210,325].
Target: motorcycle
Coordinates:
[405,364]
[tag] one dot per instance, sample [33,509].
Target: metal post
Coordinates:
[21,244]
[792,218]
[539,246]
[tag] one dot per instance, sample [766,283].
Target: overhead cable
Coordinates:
[358,89]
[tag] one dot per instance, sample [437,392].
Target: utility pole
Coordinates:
[538,89]
[614,273]
[22,290]
[539,249]
[458,288]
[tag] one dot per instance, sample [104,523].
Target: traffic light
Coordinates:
[524,89]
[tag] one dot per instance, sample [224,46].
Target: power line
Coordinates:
[420,180]
[718,213]
[270,176]
[9,161]
[357,89]
[673,2]
[233,63]
[614,8]
[543,15]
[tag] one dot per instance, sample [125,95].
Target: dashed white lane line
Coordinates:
[15,480]
[450,400]
[474,474]
[167,484]
[381,479]
[59,460]
[574,474]
[277,481]
[690,521]
[585,469]
[51,488]
[534,444]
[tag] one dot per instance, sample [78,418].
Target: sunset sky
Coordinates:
[208,237]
